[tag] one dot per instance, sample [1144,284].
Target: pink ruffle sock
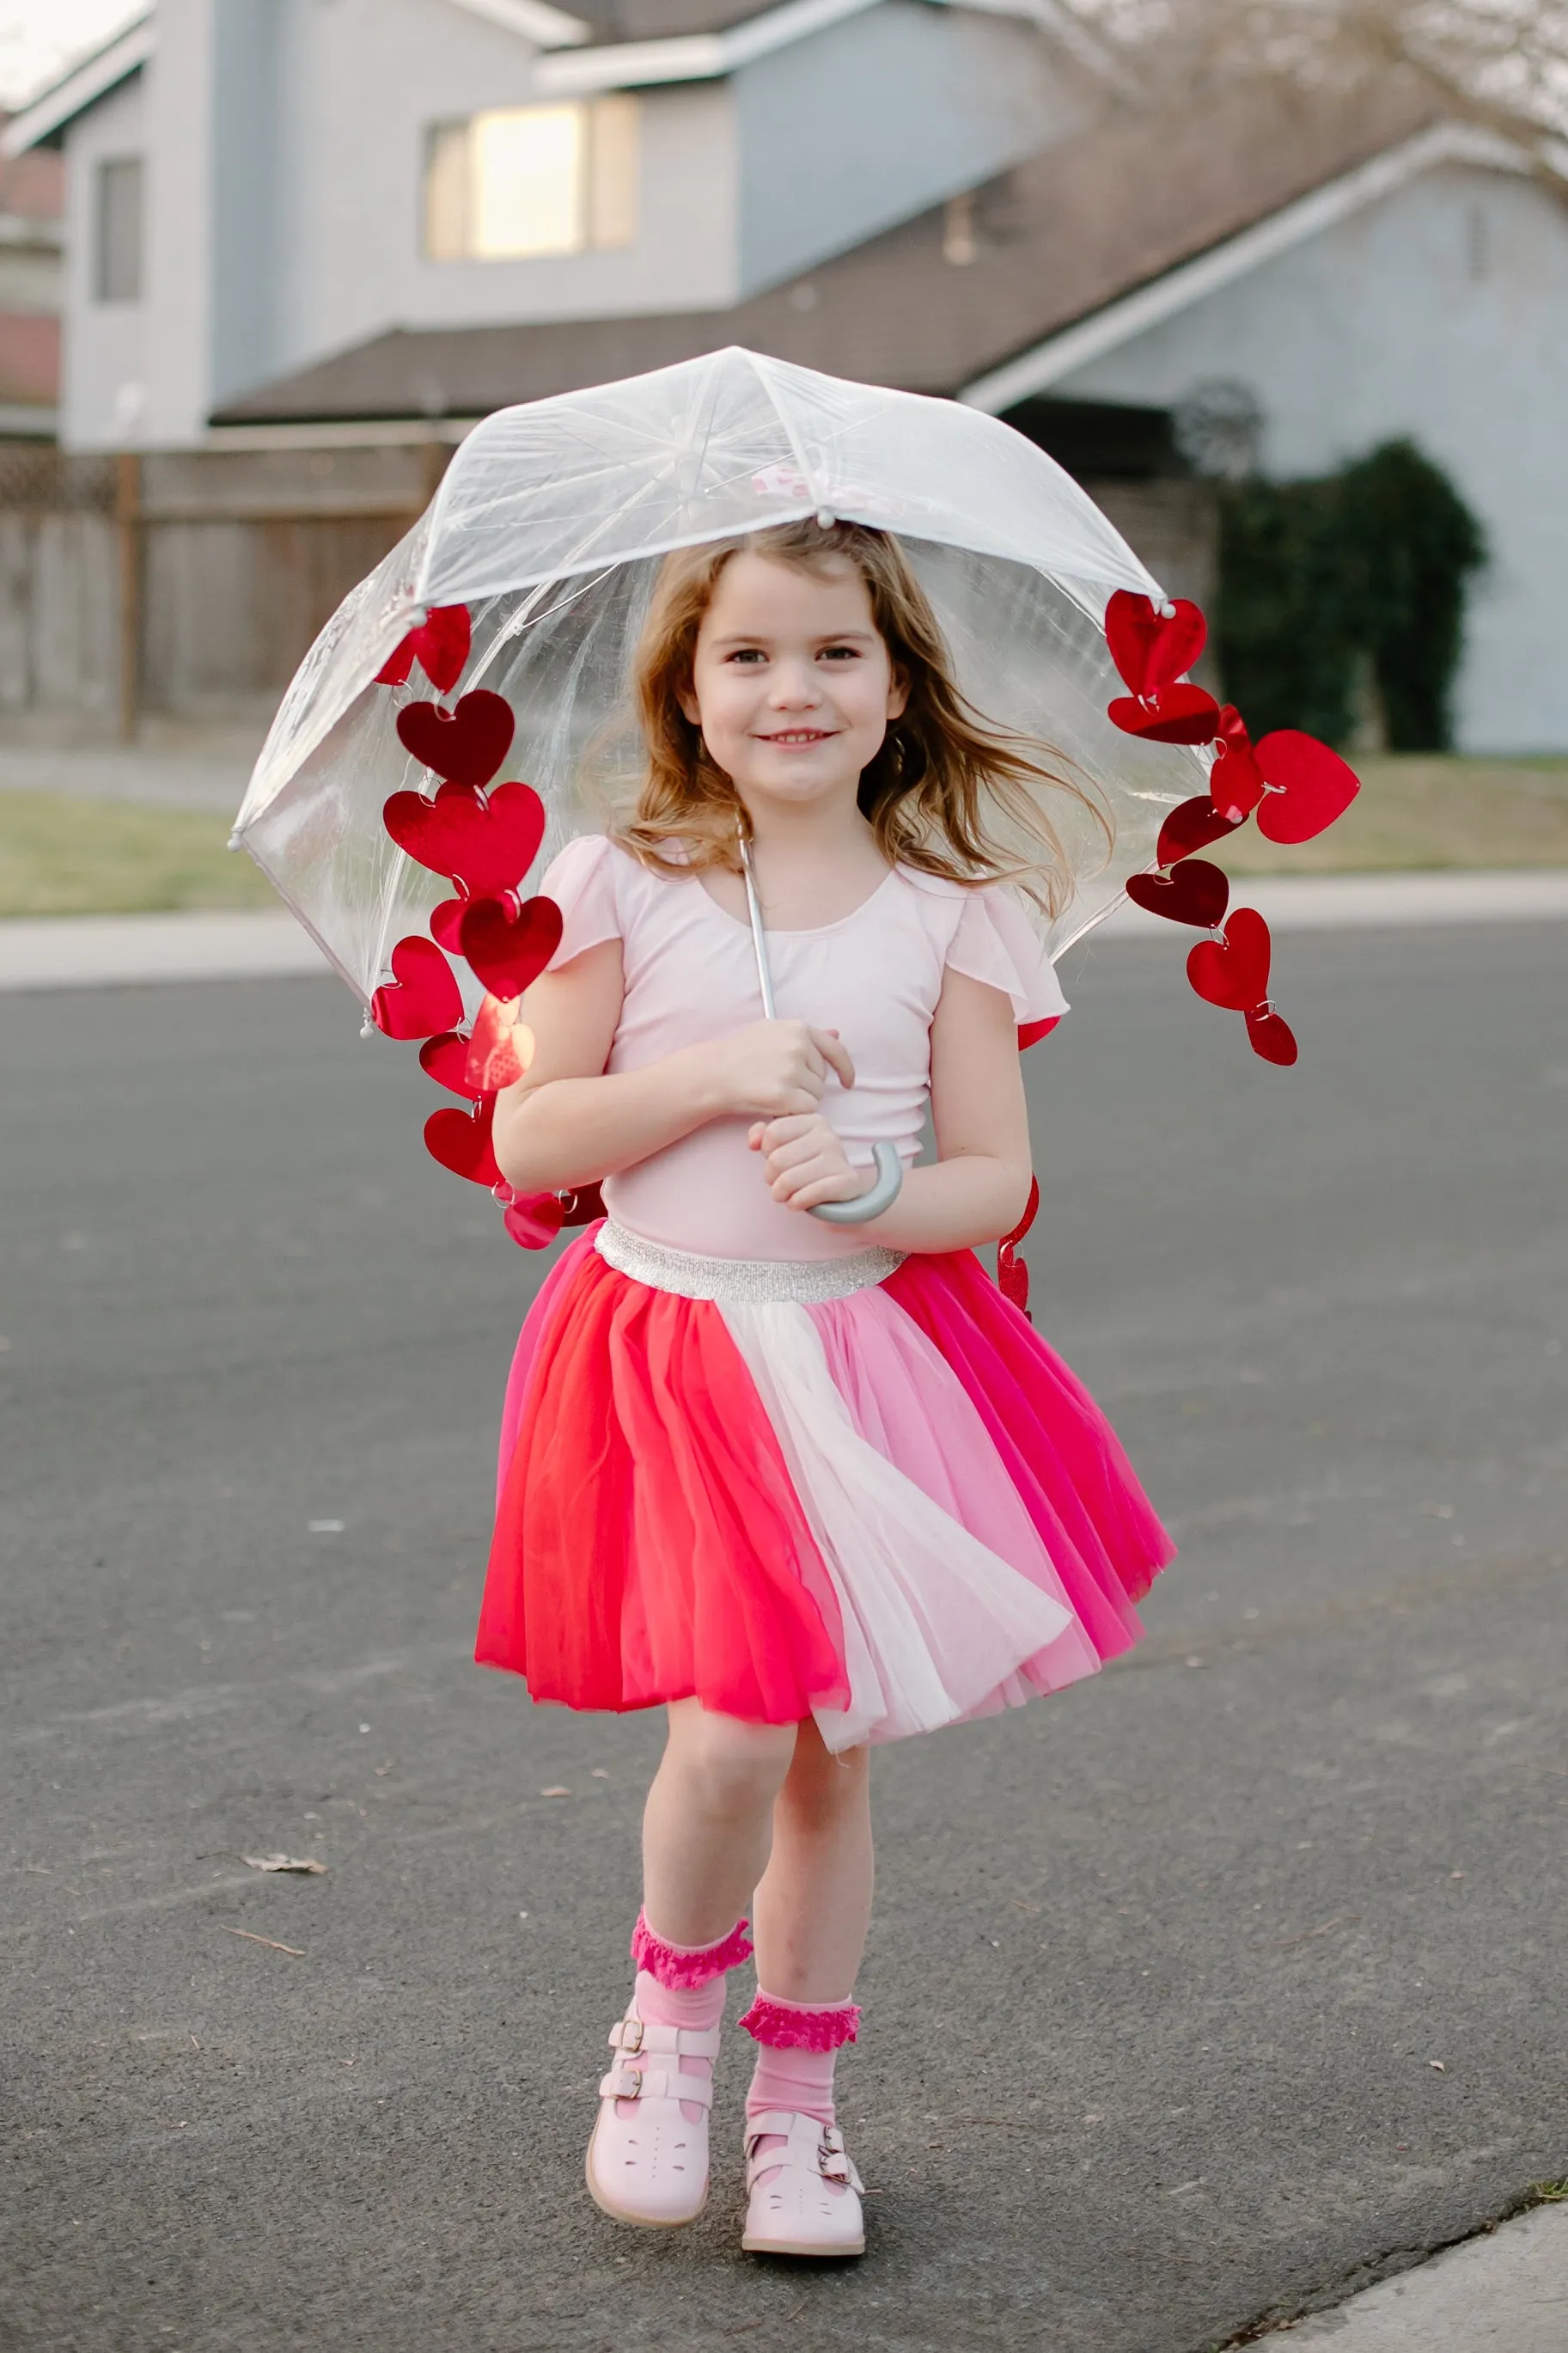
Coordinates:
[798,2044]
[683,1985]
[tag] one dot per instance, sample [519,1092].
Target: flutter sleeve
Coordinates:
[582,881]
[995,942]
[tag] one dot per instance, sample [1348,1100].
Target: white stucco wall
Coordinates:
[878,118]
[103,389]
[1440,313]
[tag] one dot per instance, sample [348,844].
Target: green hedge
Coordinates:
[1367,565]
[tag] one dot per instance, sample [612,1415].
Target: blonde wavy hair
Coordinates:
[943,772]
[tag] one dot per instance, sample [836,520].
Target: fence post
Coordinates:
[128,526]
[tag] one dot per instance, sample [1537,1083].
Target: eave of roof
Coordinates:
[1074,230]
[82,87]
[1089,338]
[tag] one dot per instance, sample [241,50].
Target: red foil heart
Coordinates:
[1178,714]
[582,1205]
[1270,1037]
[1195,893]
[440,645]
[1233,971]
[422,995]
[446,1059]
[485,842]
[460,1141]
[1191,825]
[1312,786]
[466,744]
[533,1219]
[1152,650]
[500,1049]
[446,924]
[1031,1033]
[507,951]
[1235,780]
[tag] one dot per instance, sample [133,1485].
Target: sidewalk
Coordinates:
[106,951]
[1505,2292]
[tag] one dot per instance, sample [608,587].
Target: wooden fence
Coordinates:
[188,585]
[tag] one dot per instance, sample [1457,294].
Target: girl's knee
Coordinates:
[738,1766]
[822,1786]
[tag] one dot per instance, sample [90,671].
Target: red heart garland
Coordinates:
[1195,893]
[1152,650]
[493,1058]
[446,1059]
[485,842]
[1177,714]
[1191,825]
[440,645]
[422,995]
[446,924]
[1031,1033]
[1312,786]
[466,744]
[508,951]
[460,1141]
[1233,971]
[533,1219]
[1012,1272]
[1269,1036]
[1235,780]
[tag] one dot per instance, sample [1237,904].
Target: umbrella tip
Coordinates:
[825,518]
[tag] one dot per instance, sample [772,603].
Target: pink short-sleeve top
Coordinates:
[875,976]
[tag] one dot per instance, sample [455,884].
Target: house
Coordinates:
[397,214]
[31,201]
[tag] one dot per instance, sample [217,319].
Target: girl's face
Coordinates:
[791,683]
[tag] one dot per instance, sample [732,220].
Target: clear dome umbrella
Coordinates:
[549,527]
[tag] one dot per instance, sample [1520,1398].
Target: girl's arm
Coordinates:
[978,1186]
[567,1123]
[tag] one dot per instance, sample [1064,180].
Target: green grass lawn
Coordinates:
[60,856]
[1420,810]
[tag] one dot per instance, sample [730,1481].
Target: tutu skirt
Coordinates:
[860,1490]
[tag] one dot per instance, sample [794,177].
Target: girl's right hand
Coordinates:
[775,1070]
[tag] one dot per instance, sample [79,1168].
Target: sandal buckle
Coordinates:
[630,2037]
[629,2087]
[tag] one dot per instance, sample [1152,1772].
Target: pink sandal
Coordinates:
[802,2199]
[648,2162]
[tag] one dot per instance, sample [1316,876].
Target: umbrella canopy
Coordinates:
[541,549]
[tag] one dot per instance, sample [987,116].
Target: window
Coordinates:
[117,230]
[521,181]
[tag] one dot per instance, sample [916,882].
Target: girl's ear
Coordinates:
[689,708]
[898,695]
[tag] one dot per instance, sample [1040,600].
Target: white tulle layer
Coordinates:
[937,1621]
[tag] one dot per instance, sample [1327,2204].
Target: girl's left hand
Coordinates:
[804,1162]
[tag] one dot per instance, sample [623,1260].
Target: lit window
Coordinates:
[117,230]
[518,182]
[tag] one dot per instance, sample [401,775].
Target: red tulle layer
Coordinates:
[648,1543]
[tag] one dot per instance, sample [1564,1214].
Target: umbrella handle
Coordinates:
[882,1194]
[890,1168]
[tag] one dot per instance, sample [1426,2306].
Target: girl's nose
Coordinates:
[794,687]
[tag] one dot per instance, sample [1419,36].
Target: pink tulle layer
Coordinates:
[680,1967]
[801,2025]
[651,1543]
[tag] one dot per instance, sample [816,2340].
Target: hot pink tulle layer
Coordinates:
[652,1543]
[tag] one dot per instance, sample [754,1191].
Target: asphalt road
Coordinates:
[1194,1996]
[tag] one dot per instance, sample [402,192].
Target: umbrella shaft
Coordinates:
[759,937]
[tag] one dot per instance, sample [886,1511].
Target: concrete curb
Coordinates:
[108,951]
[1505,2292]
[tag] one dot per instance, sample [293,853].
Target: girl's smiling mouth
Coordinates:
[802,735]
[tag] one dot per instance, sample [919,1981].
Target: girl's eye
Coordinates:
[745,654]
[841,653]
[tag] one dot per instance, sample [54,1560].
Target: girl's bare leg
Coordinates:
[708,1822]
[814,1901]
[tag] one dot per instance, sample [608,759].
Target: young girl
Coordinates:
[808,1486]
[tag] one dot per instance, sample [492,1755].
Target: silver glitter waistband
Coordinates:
[752,1280]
